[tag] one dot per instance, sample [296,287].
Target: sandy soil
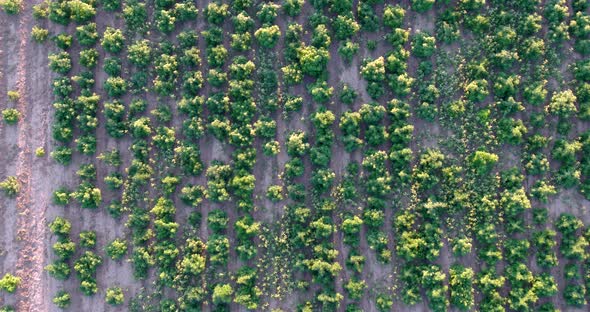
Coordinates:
[24,218]
[8,157]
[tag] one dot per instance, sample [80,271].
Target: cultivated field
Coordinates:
[292,155]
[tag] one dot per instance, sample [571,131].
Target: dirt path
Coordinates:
[29,266]
[7,157]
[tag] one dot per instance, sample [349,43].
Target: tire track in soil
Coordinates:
[30,225]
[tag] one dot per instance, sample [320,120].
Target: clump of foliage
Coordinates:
[113,40]
[114,296]
[88,239]
[11,7]
[9,283]
[62,299]
[10,186]
[39,34]
[11,116]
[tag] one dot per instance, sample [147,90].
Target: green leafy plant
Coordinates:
[62,299]
[274,193]
[9,283]
[222,294]
[10,186]
[88,239]
[11,7]
[39,34]
[113,40]
[11,116]
[114,296]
